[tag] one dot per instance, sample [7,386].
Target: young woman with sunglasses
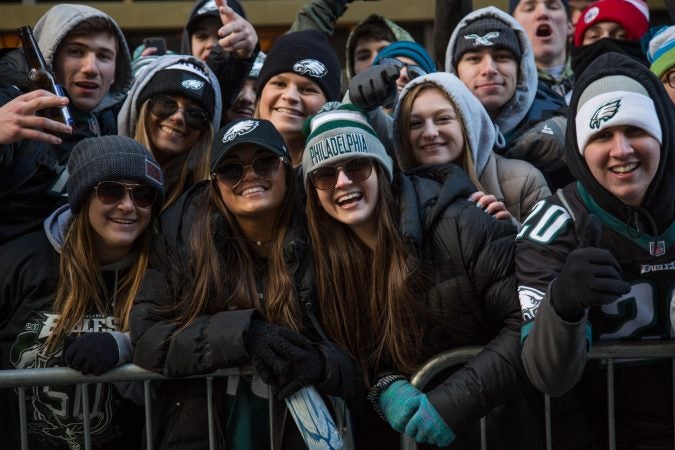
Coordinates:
[438,121]
[405,270]
[230,286]
[173,108]
[67,292]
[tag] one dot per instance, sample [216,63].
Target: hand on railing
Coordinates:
[94,353]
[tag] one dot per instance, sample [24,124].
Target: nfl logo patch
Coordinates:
[657,248]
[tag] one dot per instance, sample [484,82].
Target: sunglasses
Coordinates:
[357,170]
[163,107]
[232,174]
[109,192]
[414,71]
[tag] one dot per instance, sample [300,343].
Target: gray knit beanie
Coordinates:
[339,135]
[486,32]
[103,158]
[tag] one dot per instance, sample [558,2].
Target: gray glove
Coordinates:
[374,87]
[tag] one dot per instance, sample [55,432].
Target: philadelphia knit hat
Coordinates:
[104,158]
[308,53]
[661,52]
[411,50]
[259,132]
[611,101]
[185,79]
[486,32]
[338,135]
[632,15]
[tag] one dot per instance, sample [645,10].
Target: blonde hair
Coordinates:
[406,156]
[80,284]
[195,167]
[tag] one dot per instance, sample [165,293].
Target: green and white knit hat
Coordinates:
[338,135]
[611,101]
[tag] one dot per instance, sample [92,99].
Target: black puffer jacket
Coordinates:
[215,339]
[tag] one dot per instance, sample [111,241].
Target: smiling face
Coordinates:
[116,226]
[171,136]
[287,100]
[435,130]
[491,75]
[624,160]
[353,203]
[254,198]
[548,29]
[85,67]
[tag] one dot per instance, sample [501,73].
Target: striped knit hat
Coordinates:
[661,52]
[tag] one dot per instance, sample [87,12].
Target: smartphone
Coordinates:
[158,42]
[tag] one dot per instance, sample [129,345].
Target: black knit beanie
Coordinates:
[308,53]
[103,158]
[208,8]
[486,32]
[185,79]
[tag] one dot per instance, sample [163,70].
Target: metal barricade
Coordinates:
[608,351]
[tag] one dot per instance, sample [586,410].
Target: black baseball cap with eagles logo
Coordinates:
[258,132]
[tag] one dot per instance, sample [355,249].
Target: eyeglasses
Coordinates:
[670,79]
[232,174]
[357,170]
[163,107]
[109,192]
[414,70]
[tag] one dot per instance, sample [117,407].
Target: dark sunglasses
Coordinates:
[357,170]
[109,192]
[163,107]
[414,71]
[232,174]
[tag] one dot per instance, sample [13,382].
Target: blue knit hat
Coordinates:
[661,52]
[411,50]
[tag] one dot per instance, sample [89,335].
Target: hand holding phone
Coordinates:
[158,42]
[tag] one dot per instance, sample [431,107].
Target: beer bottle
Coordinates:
[41,77]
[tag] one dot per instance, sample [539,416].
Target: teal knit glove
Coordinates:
[427,426]
[399,402]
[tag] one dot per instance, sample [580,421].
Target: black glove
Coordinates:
[591,276]
[374,86]
[283,358]
[91,352]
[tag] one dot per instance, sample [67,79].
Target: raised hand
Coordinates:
[18,120]
[374,87]
[237,35]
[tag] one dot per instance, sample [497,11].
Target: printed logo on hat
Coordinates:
[604,113]
[153,171]
[207,7]
[483,40]
[195,85]
[591,14]
[311,67]
[240,129]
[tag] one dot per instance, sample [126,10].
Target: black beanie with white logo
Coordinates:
[308,53]
[486,32]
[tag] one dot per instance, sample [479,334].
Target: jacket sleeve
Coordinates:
[319,15]
[496,374]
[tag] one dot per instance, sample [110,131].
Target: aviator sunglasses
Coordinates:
[325,178]
[109,192]
[414,71]
[163,107]
[232,174]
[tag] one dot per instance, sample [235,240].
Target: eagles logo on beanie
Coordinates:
[308,53]
[184,79]
[340,134]
[611,101]
[487,32]
[105,158]
[632,15]
[259,132]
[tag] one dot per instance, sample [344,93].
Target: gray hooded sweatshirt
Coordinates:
[517,108]
[54,26]
[516,183]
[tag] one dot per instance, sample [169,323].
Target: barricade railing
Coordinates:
[608,351]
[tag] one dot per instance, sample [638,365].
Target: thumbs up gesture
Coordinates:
[237,35]
[590,277]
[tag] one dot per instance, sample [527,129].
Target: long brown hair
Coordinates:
[195,166]
[365,297]
[80,285]
[227,272]
[406,156]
